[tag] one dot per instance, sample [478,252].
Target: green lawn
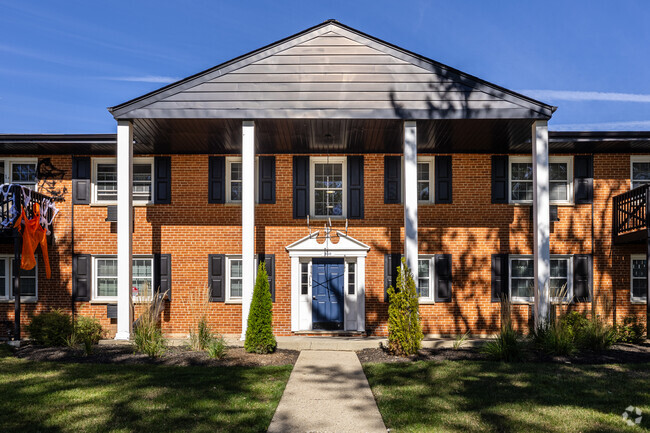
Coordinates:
[475,396]
[52,397]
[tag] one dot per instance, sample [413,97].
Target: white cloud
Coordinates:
[145,79]
[633,125]
[575,95]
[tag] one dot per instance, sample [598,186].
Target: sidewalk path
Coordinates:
[327,392]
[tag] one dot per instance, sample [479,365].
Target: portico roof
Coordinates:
[332,71]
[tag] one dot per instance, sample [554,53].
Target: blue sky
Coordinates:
[62,63]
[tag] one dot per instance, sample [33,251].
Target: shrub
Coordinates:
[259,333]
[404,329]
[87,331]
[50,328]
[147,336]
[202,337]
[506,346]
[556,338]
[596,334]
[216,347]
[574,322]
[461,340]
[631,331]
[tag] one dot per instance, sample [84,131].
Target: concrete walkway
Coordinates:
[327,392]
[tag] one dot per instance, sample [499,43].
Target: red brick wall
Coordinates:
[471,229]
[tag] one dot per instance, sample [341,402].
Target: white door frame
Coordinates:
[347,248]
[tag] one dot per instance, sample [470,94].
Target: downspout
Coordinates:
[72,291]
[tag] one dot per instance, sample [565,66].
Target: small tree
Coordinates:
[259,333]
[404,329]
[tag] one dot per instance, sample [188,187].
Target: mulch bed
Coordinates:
[618,354]
[174,356]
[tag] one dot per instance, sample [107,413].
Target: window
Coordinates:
[425,179]
[28,281]
[425,277]
[234,276]
[304,278]
[20,170]
[639,278]
[105,180]
[640,170]
[522,278]
[105,278]
[351,277]
[328,197]
[560,177]
[234,177]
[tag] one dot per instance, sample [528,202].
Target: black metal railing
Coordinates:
[630,211]
[12,202]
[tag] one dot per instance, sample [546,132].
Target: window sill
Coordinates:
[530,203]
[638,302]
[135,204]
[103,301]
[233,302]
[426,302]
[325,218]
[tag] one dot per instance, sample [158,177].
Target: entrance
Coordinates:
[327,293]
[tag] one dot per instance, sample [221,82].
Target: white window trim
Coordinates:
[530,300]
[568,160]
[109,299]
[103,160]
[431,299]
[312,181]
[229,161]
[347,277]
[8,168]
[9,271]
[432,184]
[632,298]
[634,159]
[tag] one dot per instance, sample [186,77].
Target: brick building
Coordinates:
[329,155]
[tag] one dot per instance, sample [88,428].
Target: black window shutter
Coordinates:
[583,173]
[217,179]
[499,178]
[300,187]
[392,179]
[582,277]
[391,263]
[81,277]
[80,180]
[162,264]
[163,179]
[443,277]
[355,187]
[269,261]
[499,276]
[443,179]
[217,277]
[267,179]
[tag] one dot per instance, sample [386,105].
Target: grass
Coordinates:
[53,397]
[478,396]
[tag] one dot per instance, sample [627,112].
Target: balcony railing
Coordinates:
[630,215]
[13,197]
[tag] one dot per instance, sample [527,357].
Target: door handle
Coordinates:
[313,297]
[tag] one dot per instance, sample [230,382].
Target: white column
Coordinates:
[247,220]
[410,170]
[124,228]
[541,221]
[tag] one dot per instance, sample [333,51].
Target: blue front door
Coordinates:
[327,293]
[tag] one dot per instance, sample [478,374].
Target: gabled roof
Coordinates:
[332,71]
